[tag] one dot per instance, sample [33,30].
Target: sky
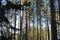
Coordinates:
[3,2]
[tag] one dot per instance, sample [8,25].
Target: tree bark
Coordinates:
[53,23]
[47,14]
[59,8]
[21,23]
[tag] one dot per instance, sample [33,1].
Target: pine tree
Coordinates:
[53,23]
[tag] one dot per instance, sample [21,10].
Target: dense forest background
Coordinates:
[30,19]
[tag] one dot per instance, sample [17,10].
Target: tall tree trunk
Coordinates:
[27,16]
[47,15]
[21,20]
[53,23]
[38,17]
[27,24]
[1,29]
[14,24]
[21,23]
[59,8]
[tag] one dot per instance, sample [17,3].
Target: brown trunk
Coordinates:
[47,15]
[21,23]
[21,20]
[26,20]
[38,18]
